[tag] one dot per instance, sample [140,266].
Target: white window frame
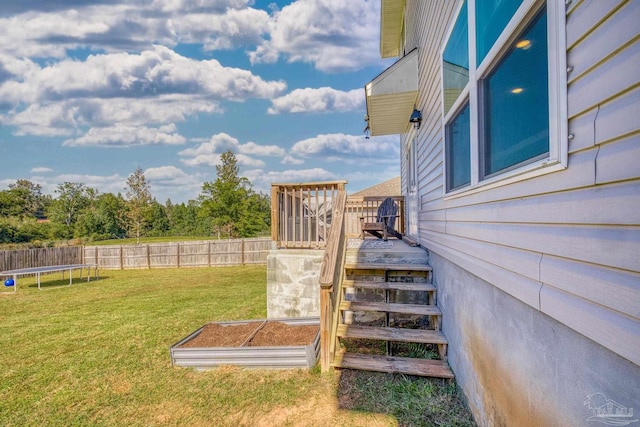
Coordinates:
[557,158]
[412,165]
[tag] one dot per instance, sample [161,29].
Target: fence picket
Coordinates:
[209,253]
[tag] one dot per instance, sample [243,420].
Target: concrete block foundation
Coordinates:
[293,289]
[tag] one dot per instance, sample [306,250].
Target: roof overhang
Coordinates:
[391,96]
[391,27]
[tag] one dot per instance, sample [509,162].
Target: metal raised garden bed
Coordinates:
[280,357]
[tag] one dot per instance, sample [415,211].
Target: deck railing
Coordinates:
[367,208]
[330,282]
[301,214]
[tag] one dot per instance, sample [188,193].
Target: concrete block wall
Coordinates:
[518,366]
[293,289]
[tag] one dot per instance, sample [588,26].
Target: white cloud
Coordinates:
[225,31]
[4,183]
[202,160]
[128,26]
[164,180]
[262,179]
[349,148]
[104,184]
[150,73]
[214,160]
[208,153]
[156,86]
[244,160]
[334,35]
[68,117]
[41,169]
[290,160]
[199,5]
[27,34]
[118,136]
[321,100]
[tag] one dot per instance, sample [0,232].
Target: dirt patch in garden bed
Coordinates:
[269,334]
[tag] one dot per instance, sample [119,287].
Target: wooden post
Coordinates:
[178,254]
[121,259]
[242,252]
[274,213]
[148,257]
[326,310]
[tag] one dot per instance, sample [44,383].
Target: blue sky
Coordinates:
[92,89]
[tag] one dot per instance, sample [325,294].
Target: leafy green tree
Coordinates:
[29,197]
[9,206]
[103,218]
[23,199]
[260,208]
[64,211]
[185,220]
[110,210]
[157,219]
[138,198]
[230,202]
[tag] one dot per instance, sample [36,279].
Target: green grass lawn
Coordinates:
[97,354]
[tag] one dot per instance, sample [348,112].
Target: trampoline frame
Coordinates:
[49,269]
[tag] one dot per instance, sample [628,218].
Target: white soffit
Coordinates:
[391,27]
[391,96]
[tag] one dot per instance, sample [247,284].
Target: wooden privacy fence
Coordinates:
[40,257]
[205,253]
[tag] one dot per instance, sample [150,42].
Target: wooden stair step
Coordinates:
[389,267]
[393,364]
[394,286]
[384,307]
[426,336]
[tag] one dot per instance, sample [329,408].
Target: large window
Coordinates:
[455,60]
[504,93]
[458,150]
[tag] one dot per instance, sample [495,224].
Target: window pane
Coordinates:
[455,60]
[516,102]
[458,150]
[491,18]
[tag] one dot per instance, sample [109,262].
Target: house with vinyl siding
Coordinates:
[521,178]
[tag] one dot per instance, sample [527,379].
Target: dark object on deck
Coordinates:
[385,221]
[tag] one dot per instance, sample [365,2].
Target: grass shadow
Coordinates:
[414,401]
[46,283]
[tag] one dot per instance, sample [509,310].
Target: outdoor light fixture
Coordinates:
[367,129]
[416,118]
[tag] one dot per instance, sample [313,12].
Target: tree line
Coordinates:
[226,207]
